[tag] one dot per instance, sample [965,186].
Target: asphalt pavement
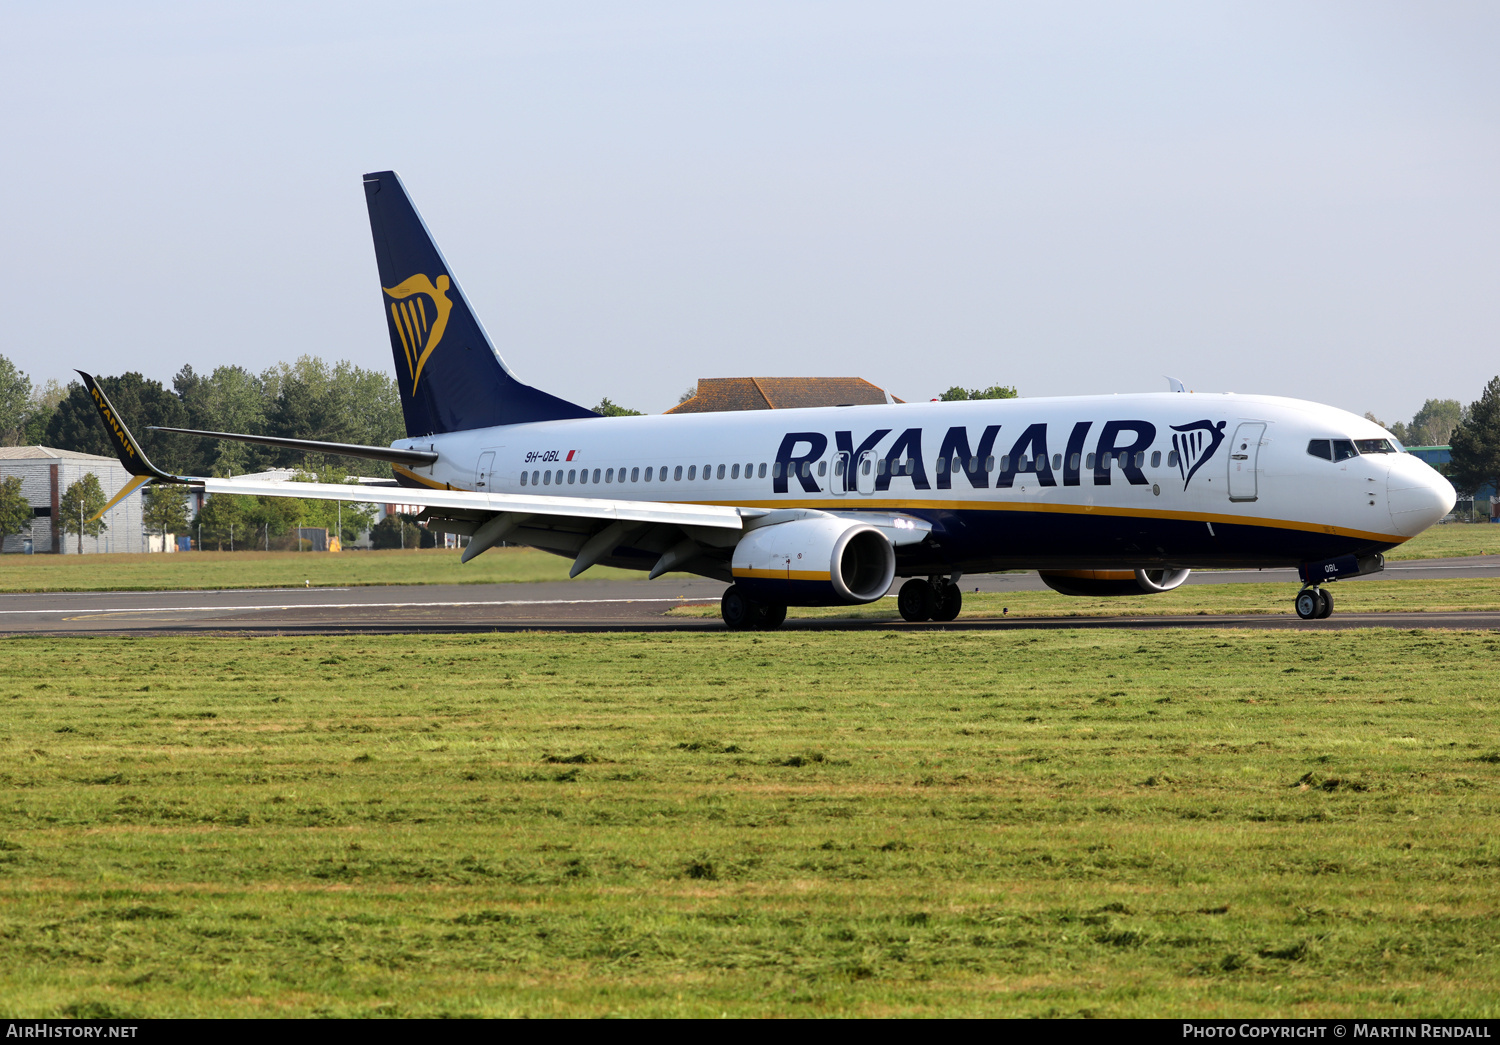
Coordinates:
[589,605]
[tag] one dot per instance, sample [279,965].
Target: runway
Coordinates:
[585,605]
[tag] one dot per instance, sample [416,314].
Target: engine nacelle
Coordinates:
[821,561]
[1113,582]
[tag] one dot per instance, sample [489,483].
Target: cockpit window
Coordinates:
[1375,446]
[1343,449]
[1320,448]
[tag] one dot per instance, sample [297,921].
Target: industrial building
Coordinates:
[45,474]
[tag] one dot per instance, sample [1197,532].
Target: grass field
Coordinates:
[1060,823]
[1363,595]
[205,570]
[1449,541]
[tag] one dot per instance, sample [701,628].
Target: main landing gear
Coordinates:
[938,598]
[742,613]
[1314,603]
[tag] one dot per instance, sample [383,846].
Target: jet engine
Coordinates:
[819,561]
[1113,582]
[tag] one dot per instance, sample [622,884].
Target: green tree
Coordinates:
[692,390]
[342,403]
[39,411]
[79,505]
[231,399]
[222,521]
[15,402]
[958,395]
[1476,444]
[164,510]
[396,531]
[610,409]
[76,425]
[15,510]
[1433,425]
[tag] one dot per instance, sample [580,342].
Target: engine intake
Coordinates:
[1108,583]
[822,561]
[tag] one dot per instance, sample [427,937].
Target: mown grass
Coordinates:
[1450,540]
[193,571]
[1362,595]
[1116,824]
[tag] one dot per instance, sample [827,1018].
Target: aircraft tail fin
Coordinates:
[450,376]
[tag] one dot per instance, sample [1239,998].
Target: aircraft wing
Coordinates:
[589,508]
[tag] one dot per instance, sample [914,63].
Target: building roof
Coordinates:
[716,394]
[47,453]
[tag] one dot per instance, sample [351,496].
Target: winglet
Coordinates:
[126,448]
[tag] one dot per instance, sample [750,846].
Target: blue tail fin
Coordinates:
[450,376]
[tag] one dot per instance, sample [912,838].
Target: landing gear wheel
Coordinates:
[1310,603]
[917,601]
[739,613]
[950,600]
[773,617]
[1325,600]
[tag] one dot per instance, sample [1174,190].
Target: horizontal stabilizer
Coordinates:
[390,454]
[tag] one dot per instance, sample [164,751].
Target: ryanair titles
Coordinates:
[1067,457]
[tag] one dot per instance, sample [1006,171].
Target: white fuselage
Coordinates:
[1135,480]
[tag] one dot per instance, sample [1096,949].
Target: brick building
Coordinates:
[716,394]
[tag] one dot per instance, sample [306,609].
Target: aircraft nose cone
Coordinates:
[1417,494]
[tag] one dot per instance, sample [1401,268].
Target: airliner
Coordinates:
[1112,495]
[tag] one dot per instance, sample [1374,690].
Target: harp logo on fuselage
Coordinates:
[1195,444]
[419,313]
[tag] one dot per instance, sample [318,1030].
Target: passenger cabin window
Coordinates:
[523,478]
[635,475]
[1155,458]
[721,471]
[734,473]
[692,471]
[1172,459]
[763,470]
[1320,448]
[609,475]
[1090,464]
[596,475]
[677,473]
[1343,449]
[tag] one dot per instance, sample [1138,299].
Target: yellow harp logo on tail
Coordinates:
[419,310]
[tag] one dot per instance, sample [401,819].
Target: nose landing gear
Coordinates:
[1314,603]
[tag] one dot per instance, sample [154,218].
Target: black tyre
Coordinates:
[1325,604]
[950,600]
[739,612]
[916,600]
[1308,603]
[773,618]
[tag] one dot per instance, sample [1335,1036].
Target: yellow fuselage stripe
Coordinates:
[785,575]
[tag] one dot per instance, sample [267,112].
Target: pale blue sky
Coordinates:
[1298,198]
